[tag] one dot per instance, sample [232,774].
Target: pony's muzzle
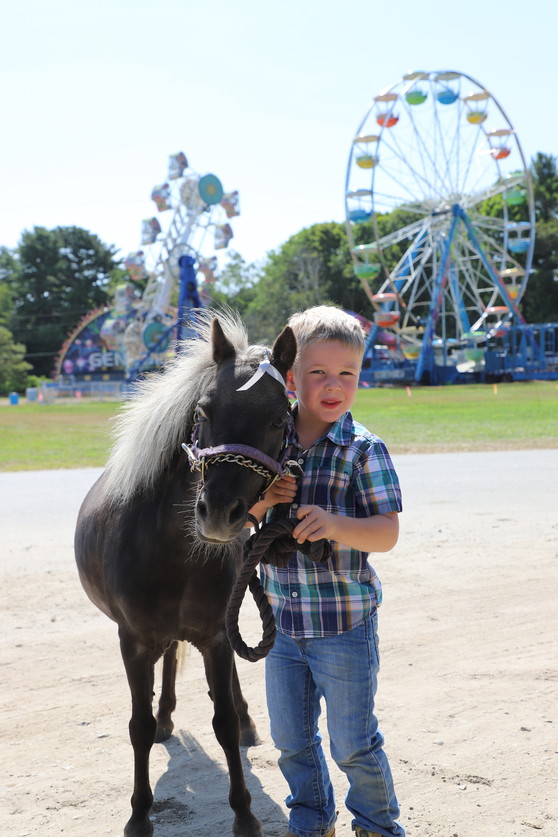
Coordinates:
[220,522]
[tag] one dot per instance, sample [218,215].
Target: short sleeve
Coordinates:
[377,489]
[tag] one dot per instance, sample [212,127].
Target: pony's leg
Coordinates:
[167,701]
[140,673]
[218,660]
[248,733]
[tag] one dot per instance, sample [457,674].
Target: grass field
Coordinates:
[76,434]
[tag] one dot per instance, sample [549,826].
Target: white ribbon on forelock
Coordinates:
[264,367]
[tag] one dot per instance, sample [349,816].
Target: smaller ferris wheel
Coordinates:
[440,219]
[177,266]
[199,211]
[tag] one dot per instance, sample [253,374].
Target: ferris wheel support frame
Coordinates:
[489,266]
[187,275]
[425,358]
[425,361]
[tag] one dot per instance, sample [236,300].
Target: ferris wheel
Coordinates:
[173,255]
[440,219]
[177,267]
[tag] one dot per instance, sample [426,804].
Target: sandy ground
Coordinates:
[468,694]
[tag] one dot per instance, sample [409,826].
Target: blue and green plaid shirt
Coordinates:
[349,472]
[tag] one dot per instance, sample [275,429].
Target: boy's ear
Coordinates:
[290,381]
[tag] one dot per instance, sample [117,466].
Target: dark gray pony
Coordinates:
[158,547]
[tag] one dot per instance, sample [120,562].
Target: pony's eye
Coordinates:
[199,415]
[278,423]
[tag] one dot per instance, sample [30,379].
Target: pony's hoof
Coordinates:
[138,828]
[247,826]
[249,737]
[163,731]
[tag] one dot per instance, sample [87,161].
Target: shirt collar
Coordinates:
[341,431]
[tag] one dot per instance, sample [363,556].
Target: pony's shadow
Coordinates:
[191,797]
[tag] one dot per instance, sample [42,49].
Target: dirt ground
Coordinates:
[468,698]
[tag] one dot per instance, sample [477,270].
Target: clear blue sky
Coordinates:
[267,96]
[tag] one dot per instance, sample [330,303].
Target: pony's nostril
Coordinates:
[237,512]
[202,508]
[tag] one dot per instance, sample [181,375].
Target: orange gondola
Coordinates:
[387,120]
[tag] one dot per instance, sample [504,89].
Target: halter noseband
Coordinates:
[244,455]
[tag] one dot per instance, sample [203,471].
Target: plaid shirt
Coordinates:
[348,472]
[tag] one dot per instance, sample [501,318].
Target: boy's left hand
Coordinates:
[315,523]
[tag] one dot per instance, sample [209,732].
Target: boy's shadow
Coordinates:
[191,797]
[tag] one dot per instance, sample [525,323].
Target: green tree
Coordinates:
[8,268]
[13,367]
[313,267]
[58,276]
[540,301]
[544,171]
[235,285]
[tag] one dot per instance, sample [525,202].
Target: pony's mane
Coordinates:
[149,428]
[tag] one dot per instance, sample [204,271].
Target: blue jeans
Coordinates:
[343,670]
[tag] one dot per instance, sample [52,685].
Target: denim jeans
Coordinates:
[343,670]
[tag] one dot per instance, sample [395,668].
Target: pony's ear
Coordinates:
[283,353]
[222,346]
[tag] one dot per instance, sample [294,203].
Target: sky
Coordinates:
[267,96]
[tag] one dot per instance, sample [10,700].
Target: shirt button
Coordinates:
[294,594]
[294,505]
[301,461]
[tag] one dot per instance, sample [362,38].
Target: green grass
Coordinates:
[39,436]
[472,417]
[76,434]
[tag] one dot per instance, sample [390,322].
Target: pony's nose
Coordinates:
[220,521]
[237,512]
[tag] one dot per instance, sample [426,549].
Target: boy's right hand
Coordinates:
[282,491]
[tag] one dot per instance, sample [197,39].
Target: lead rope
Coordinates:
[254,551]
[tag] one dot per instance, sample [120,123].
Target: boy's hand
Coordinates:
[315,523]
[282,491]
[377,533]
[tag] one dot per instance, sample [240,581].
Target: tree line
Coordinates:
[53,278]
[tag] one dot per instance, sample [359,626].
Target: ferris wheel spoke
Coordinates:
[466,185]
[422,182]
[426,155]
[410,231]
[500,187]
[446,154]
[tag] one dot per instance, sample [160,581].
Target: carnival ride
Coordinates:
[142,329]
[440,219]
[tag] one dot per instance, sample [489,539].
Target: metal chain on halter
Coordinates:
[237,459]
[272,544]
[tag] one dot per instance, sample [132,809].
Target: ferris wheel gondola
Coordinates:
[440,216]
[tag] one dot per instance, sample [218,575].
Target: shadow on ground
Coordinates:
[191,797]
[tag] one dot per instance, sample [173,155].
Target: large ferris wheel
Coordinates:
[440,218]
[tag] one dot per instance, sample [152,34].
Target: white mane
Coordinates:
[149,429]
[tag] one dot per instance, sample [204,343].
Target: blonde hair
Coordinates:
[325,322]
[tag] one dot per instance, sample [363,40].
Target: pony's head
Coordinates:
[240,427]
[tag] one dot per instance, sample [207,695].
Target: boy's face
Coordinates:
[325,378]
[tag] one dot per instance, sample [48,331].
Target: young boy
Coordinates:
[326,644]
